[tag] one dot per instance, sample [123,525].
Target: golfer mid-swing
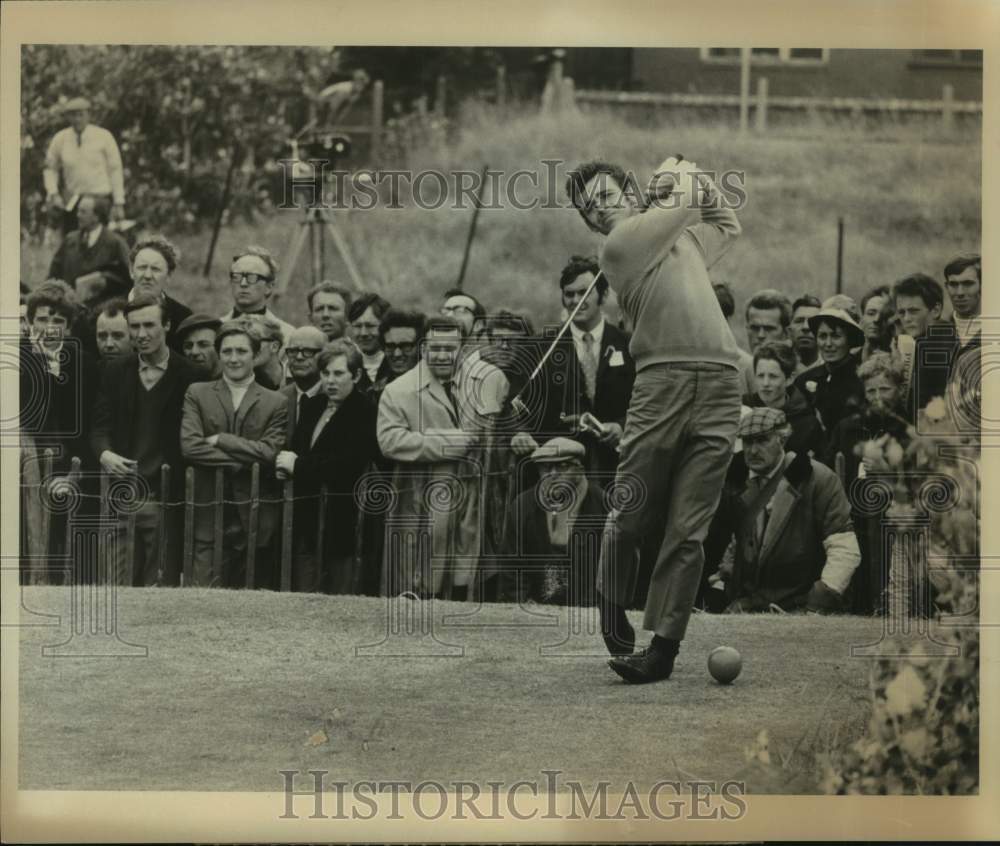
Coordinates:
[685,404]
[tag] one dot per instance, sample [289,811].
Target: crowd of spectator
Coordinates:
[414,454]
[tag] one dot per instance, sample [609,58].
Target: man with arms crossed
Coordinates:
[685,405]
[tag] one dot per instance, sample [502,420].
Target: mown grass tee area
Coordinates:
[238,685]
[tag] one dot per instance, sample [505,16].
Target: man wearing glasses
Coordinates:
[251,279]
[463,307]
[401,332]
[305,344]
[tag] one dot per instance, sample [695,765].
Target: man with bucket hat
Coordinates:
[795,544]
[833,385]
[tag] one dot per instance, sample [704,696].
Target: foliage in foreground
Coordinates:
[923,736]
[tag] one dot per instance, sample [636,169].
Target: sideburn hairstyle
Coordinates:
[577,179]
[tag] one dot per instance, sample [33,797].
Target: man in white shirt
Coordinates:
[82,159]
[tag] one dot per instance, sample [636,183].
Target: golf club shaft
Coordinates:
[558,337]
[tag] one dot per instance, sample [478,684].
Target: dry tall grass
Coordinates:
[907,205]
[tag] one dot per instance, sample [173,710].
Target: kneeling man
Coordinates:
[795,547]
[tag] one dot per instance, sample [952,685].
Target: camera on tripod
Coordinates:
[324,146]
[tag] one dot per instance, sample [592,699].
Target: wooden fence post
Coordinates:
[439,96]
[948,107]
[286,535]
[74,478]
[744,89]
[321,522]
[501,84]
[162,534]
[760,115]
[46,477]
[218,514]
[252,525]
[188,575]
[378,92]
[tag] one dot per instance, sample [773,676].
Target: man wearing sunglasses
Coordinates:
[251,280]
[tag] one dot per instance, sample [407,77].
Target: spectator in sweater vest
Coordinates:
[136,430]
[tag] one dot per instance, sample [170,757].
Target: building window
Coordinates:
[948,58]
[767,55]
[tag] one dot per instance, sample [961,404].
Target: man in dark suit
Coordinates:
[332,447]
[136,430]
[233,423]
[304,389]
[93,260]
[590,373]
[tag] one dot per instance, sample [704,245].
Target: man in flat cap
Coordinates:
[82,159]
[553,534]
[795,545]
[196,336]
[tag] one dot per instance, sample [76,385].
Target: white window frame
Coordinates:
[784,57]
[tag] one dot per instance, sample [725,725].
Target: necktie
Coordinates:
[301,408]
[449,389]
[589,362]
[757,484]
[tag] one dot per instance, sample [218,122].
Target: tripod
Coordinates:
[313,228]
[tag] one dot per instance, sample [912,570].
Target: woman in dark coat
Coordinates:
[333,445]
[774,363]
[833,386]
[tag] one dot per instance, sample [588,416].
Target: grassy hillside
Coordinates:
[907,206]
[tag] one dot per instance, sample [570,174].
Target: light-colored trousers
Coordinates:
[675,451]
